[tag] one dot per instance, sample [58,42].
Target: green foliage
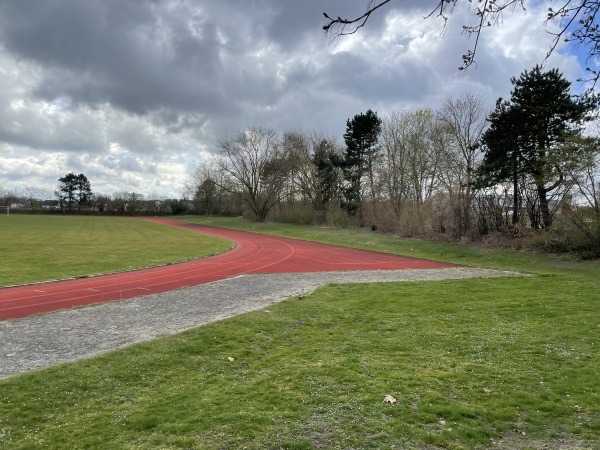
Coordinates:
[501,141]
[296,212]
[179,207]
[326,161]
[205,198]
[74,188]
[361,138]
[527,133]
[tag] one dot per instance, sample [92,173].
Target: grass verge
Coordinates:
[39,248]
[510,362]
[451,252]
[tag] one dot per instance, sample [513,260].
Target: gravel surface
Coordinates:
[44,340]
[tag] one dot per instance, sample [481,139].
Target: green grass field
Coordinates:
[500,363]
[40,248]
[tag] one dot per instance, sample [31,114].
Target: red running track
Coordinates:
[253,253]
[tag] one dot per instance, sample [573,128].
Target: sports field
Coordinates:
[41,248]
[253,253]
[488,363]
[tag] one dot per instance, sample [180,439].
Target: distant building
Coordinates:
[50,204]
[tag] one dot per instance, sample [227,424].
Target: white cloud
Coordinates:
[132,94]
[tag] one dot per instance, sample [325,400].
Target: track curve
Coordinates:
[253,253]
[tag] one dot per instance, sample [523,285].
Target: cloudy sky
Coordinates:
[133,92]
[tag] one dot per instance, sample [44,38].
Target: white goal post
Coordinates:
[5,210]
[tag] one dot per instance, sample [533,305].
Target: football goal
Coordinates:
[5,210]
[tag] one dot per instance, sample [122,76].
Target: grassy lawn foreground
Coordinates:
[513,361]
[40,248]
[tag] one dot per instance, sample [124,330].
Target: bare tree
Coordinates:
[102,202]
[7,197]
[464,120]
[119,202]
[412,143]
[422,141]
[155,203]
[127,202]
[394,171]
[135,202]
[584,179]
[210,188]
[302,178]
[35,195]
[257,165]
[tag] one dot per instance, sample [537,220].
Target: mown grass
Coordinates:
[469,362]
[39,248]
[448,252]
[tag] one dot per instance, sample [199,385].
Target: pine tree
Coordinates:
[502,160]
[83,190]
[73,188]
[526,135]
[326,162]
[361,137]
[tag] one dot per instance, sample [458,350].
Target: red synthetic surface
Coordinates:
[253,253]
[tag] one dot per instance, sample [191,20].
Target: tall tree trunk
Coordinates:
[515,212]
[544,206]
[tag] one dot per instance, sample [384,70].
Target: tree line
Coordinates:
[458,172]
[74,194]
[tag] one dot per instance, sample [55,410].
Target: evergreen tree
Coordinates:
[526,134]
[502,160]
[83,190]
[361,137]
[205,197]
[326,161]
[73,188]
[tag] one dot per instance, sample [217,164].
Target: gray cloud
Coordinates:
[139,56]
[131,93]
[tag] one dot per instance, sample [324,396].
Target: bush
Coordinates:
[297,212]
[569,234]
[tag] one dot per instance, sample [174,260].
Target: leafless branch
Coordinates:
[578,25]
[489,13]
[337,26]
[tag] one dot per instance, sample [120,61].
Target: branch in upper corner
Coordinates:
[488,13]
[577,20]
[337,26]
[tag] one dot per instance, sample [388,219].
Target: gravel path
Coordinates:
[41,341]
